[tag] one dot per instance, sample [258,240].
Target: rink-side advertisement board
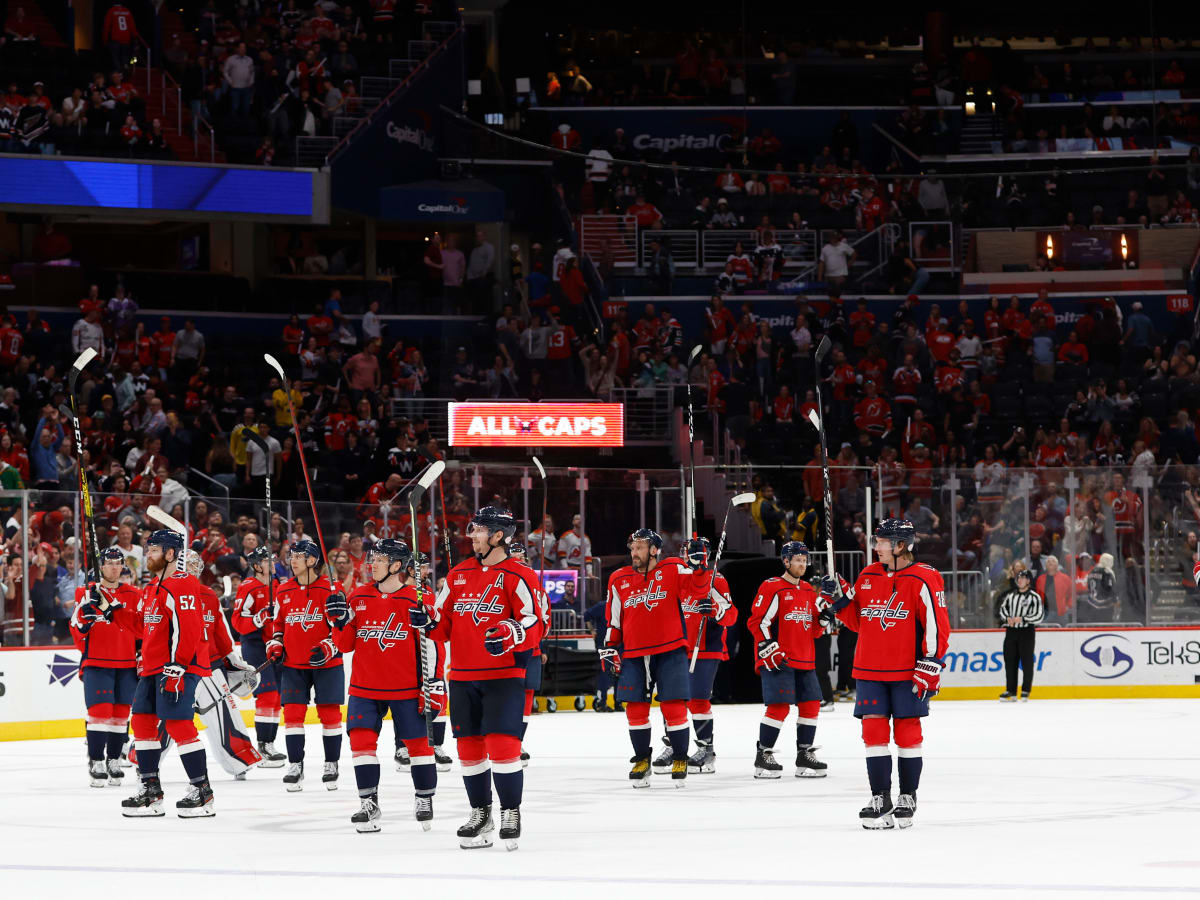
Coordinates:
[1080,662]
[536,424]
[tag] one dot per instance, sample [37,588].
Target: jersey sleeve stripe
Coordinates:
[931,623]
[769,617]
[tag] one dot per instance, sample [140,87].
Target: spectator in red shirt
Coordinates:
[784,407]
[320,325]
[1013,318]
[871,210]
[949,375]
[729,181]
[873,367]
[1073,352]
[145,346]
[941,344]
[720,324]
[646,214]
[906,380]
[871,413]
[119,32]
[163,342]
[293,336]
[566,138]
[843,377]
[1051,453]
[11,341]
[1042,305]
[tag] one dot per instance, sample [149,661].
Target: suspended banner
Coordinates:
[536,424]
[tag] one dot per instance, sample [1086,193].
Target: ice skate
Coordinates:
[329,776]
[1024,696]
[878,813]
[198,803]
[510,827]
[524,759]
[477,832]
[366,820]
[402,760]
[906,806]
[441,759]
[765,765]
[147,801]
[808,766]
[294,779]
[115,775]
[97,774]
[424,812]
[662,762]
[271,758]
[679,770]
[704,760]
[1008,697]
[639,775]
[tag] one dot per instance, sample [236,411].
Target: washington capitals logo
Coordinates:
[803,616]
[648,599]
[887,615]
[305,619]
[486,605]
[62,669]
[386,634]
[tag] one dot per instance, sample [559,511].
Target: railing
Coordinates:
[221,487]
[212,138]
[684,246]
[149,61]
[610,241]
[924,239]
[648,413]
[313,151]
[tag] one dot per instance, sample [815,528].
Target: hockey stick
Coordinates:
[445,530]
[689,514]
[312,500]
[542,550]
[432,473]
[264,445]
[818,422]
[92,546]
[735,500]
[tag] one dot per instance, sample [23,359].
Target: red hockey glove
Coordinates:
[258,618]
[503,637]
[772,657]
[707,606]
[610,661]
[435,690]
[927,677]
[171,680]
[275,649]
[322,653]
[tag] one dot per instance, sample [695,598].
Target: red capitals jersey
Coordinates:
[300,621]
[106,645]
[714,632]
[10,347]
[169,619]
[216,628]
[786,613]
[645,611]
[387,658]
[252,598]
[474,598]
[899,618]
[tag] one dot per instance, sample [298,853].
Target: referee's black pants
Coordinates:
[1018,646]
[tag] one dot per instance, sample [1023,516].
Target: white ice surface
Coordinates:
[1053,798]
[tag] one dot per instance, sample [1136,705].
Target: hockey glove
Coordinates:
[706,605]
[171,680]
[338,610]
[419,618]
[275,649]
[322,653]
[88,615]
[234,658]
[927,677]
[610,661]
[259,618]
[503,637]
[829,589]
[772,657]
[435,691]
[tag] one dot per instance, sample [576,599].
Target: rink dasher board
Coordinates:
[41,695]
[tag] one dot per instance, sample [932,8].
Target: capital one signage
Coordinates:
[536,424]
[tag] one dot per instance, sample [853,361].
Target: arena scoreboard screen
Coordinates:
[536,424]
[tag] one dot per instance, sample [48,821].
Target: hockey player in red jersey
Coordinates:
[386,675]
[708,612]
[107,668]
[645,647]
[898,608]
[312,664]
[784,627]
[437,728]
[252,614]
[169,620]
[487,611]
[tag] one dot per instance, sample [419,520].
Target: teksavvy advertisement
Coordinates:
[536,424]
[1082,658]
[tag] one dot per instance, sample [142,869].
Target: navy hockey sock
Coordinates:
[95,743]
[767,734]
[508,784]
[640,738]
[333,746]
[424,775]
[478,784]
[805,734]
[195,761]
[704,728]
[115,741]
[295,744]
[266,732]
[439,732]
[879,771]
[147,759]
[679,737]
[366,775]
[910,772]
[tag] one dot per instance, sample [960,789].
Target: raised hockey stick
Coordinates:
[431,474]
[818,422]
[542,550]
[445,527]
[312,500]
[265,446]
[91,547]
[689,514]
[735,500]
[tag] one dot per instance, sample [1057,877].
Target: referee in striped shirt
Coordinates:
[1020,610]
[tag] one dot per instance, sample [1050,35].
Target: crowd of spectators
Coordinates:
[262,73]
